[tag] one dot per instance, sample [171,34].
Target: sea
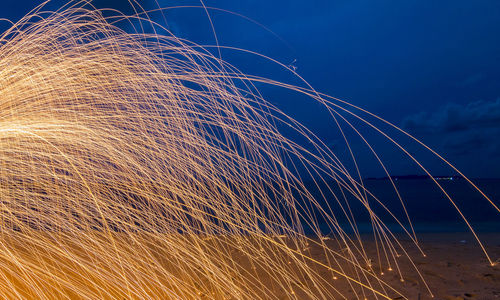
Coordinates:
[427,207]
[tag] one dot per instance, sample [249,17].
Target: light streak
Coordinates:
[141,166]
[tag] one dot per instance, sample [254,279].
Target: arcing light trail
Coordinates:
[141,166]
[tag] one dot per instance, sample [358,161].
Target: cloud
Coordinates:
[473,79]
[460,129]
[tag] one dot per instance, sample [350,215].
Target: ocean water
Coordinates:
[428,208]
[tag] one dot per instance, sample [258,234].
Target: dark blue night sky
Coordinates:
[432,67]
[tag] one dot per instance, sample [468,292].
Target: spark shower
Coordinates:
[138,165]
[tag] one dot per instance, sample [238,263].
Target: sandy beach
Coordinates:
[454,267]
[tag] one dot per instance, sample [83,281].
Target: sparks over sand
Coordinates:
[141,166]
